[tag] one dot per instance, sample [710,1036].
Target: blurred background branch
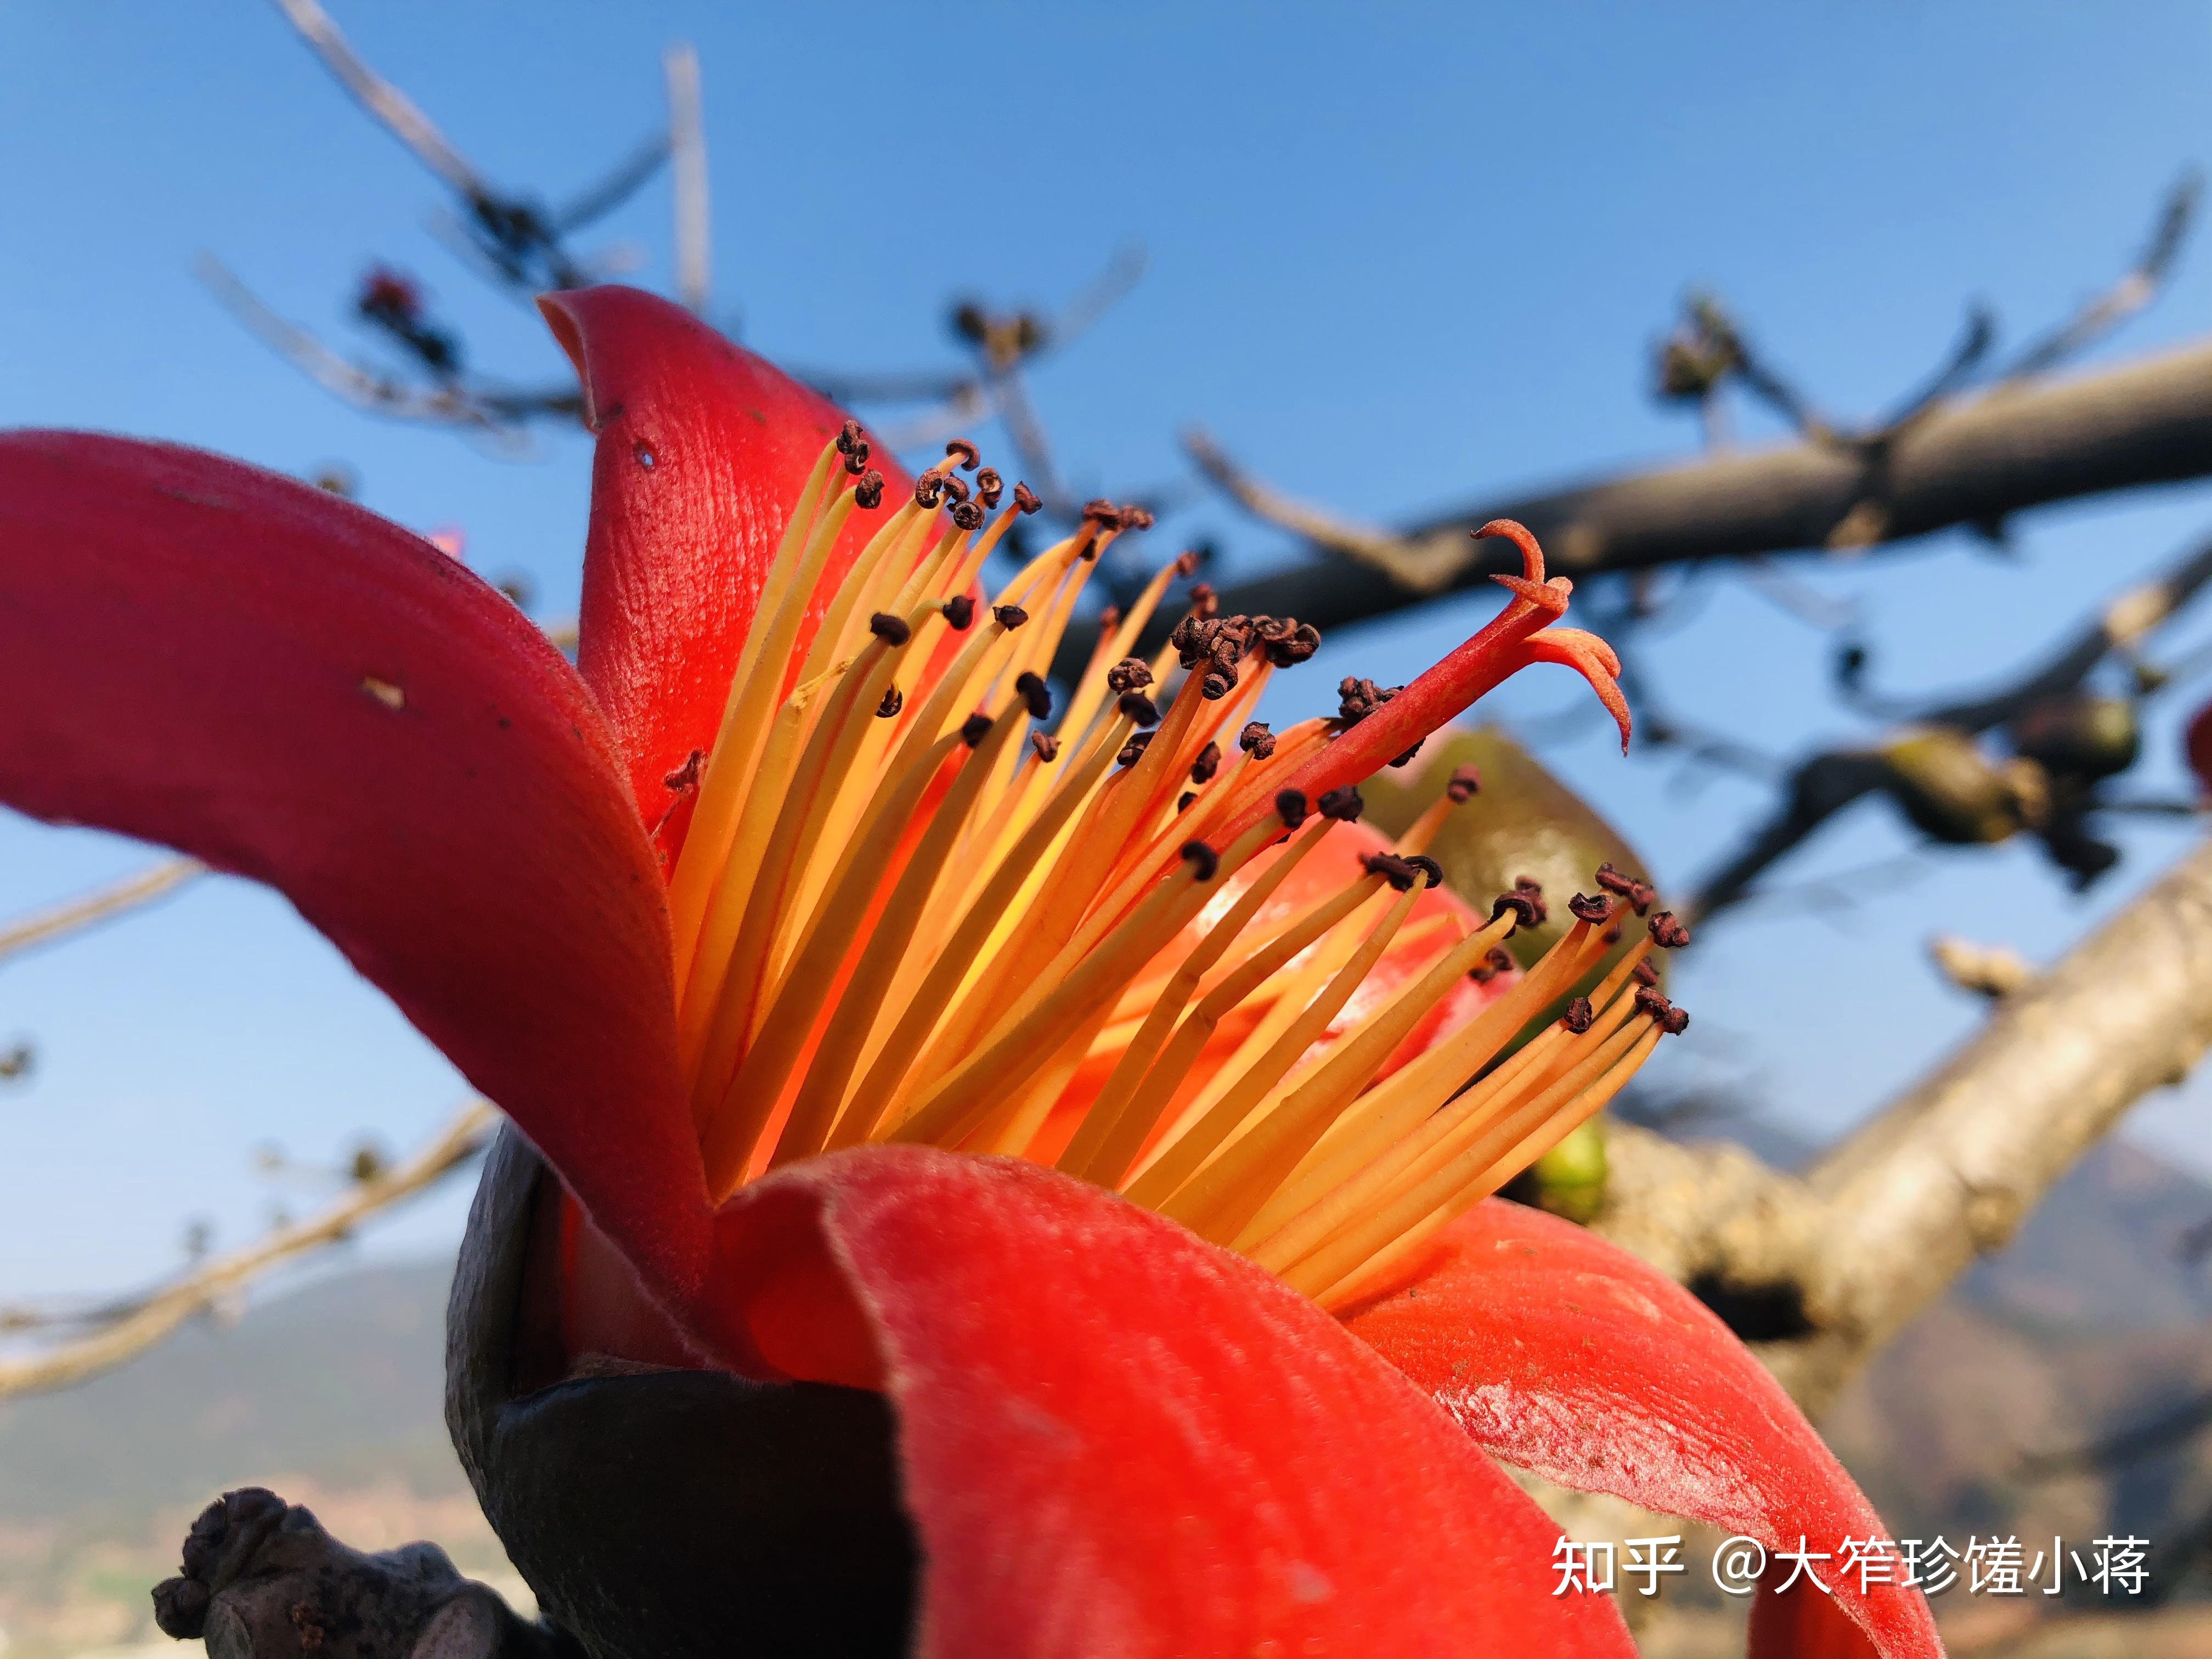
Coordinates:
[116,1330]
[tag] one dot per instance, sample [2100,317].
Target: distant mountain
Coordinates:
[340,1380]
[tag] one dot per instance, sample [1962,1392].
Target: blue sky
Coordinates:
[1401,255]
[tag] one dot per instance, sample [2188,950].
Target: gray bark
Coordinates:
[1967,462]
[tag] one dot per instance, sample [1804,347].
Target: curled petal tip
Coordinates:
[1531,556]
[1590,657]
[1547,596]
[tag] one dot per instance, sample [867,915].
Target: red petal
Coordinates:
[1118,1439]
[703,449]
[197,653]
[1567,1356]
[1802,1622]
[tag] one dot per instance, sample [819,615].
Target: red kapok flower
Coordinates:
[1095,1102]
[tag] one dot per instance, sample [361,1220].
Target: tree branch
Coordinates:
[44,927]
[393,110]
[686,150]
[1826,782]
[1949,1170]
[1820,1272]
[139,1325]
[1974,462]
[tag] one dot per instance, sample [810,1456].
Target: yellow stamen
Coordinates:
[852,796]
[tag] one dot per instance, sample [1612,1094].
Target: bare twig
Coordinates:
[1826,782]
[1973,344]
[1417,566]
[1969,463]
[687,150]
[2134,291]
[595,202]
[46,926]
[139,1325]
[1988,970]
[489,410]
[392,109]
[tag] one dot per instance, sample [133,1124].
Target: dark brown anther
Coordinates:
[849,437]
[1256,740]
[1192,638]
[962,452]
[1527,911]
[1533,890]
[1025,499]
[1295,648]
[1290,807]
[1674,1021]
[856,460]
[1356,699]
[1045,746]
[1102,513]
[929,489]
[1205,603]
[868,494]
[1641,897]
[1649,1001]
[1130,674]
[1644,974]
[956,489]
[1465,783]
[975,729]
[180,1608]
[1207,763]
[1140,707]
[1668,932]
[1428,866]
[1183,800]
[1135,517]
[1499,957]
[1392,868]
[1407,759]
[989,486]
[1009,617]
[1187,564]
[894,700]
[1036,694]
[1614,881]
[1495,961]
[1285,640]
[1579,1017]
[1204,861]
[892,630]
[968,516]
[1587,908]
[1217,684]
[685,778]
[959,611]
[1611,936]
[1138,742]
[1344,804]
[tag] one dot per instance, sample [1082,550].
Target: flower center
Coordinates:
[905,912]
